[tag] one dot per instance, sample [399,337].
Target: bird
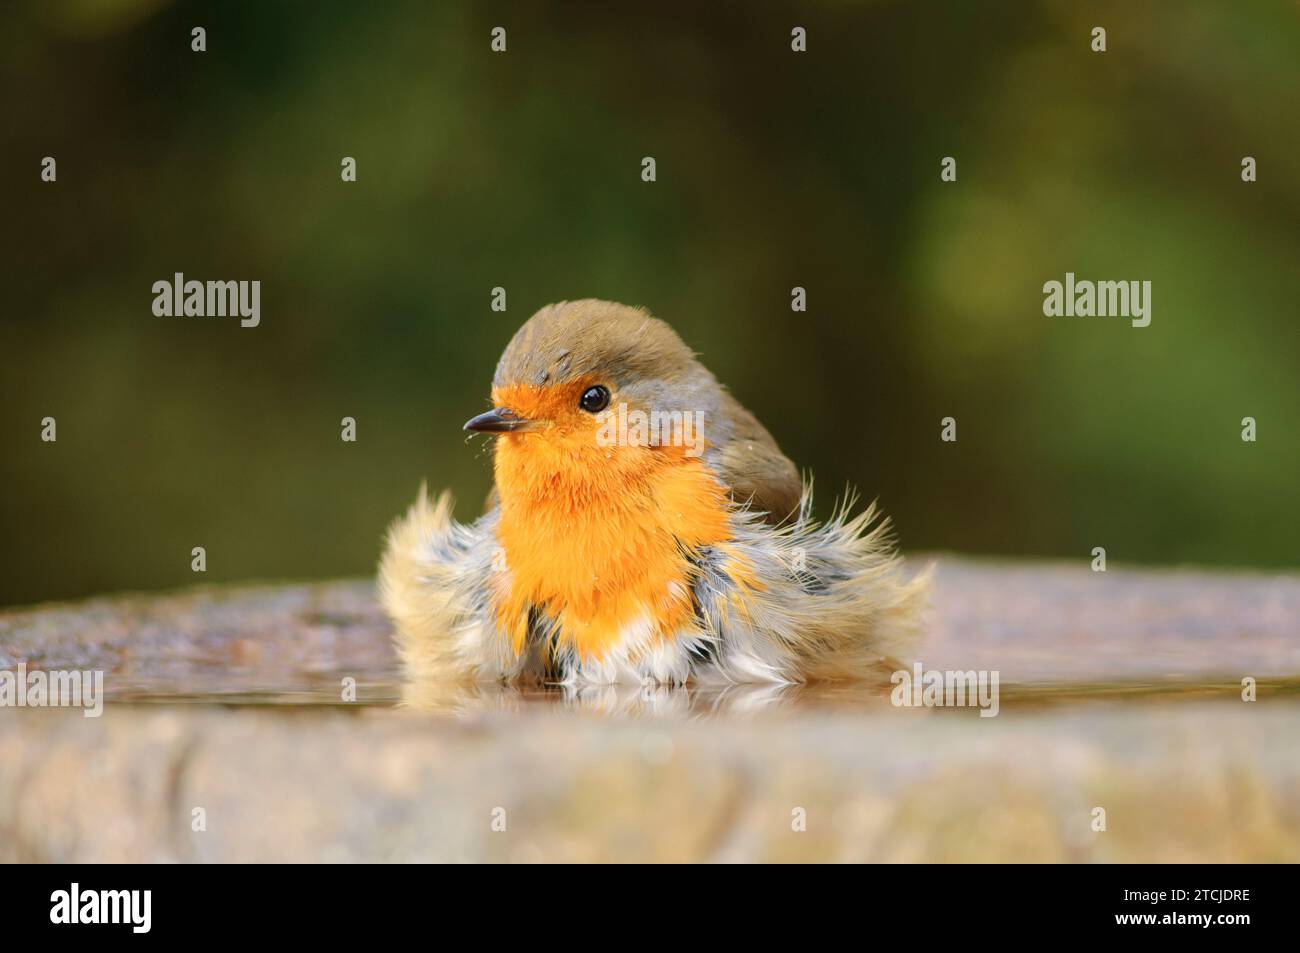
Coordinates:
[643,527]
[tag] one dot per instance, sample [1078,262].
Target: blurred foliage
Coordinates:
[522,170]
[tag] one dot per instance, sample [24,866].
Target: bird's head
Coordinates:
[592,390]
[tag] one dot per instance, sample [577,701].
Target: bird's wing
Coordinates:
[754,468]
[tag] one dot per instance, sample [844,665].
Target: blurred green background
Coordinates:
[523,170]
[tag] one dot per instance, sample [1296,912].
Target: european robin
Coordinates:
[643,525]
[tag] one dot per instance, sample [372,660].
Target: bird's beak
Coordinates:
[500,420]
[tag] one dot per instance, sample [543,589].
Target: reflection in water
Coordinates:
[620,700]
[645,700]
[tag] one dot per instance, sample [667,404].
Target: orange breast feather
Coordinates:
[594,536]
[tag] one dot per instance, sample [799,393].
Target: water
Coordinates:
[388,691]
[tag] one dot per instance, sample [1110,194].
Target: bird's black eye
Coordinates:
[595,399]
